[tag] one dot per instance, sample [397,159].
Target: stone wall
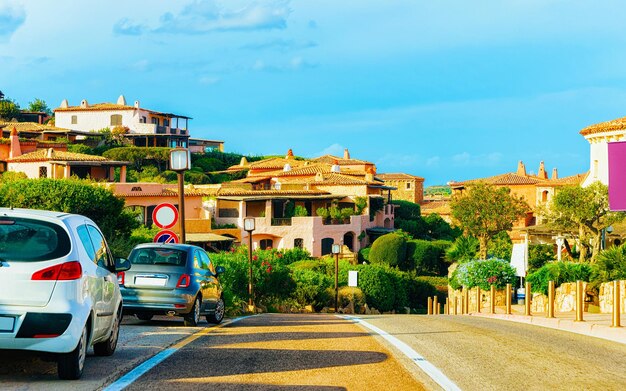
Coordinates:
[606,297]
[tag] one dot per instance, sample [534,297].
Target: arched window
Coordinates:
[327,245]
[298,243]
[544,196]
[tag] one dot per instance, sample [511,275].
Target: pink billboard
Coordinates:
[617,176]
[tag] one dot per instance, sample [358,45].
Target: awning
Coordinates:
[206,237]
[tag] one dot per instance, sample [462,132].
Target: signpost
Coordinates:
[166,236]
[165,215]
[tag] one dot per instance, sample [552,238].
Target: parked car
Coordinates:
[172,279]
[58,292]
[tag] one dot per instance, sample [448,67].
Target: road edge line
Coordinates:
[432,371]
[130,377]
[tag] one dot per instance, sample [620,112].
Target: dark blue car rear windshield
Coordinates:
[158,256]
[31,240]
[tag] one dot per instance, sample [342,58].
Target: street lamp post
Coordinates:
[180,161]
[336,250]
[248,226]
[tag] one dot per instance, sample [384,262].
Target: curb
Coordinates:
[615,334]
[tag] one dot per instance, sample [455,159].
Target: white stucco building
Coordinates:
[599,135]
[145,127]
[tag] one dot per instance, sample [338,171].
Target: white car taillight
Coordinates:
[62,272]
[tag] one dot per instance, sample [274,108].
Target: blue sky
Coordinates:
[447,90]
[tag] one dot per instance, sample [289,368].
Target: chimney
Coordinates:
[84,104]
[346,154]
[555,174]
[50,153]
[319,177]
[64,104]
[521,169]
[136,104]
[243,162]
[289,154]
[335,167]
[16,150]
[121,100]
[287,167]
[542,171]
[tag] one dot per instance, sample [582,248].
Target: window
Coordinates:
[155,120]
[206,262]
[595,168]
[83,235]
[408,185]
[102,258]
[44,240]
[266,244]
[166,122]
[43,172]
[116,120]
[142,120]
[298,243]
[74,119]
[197,262]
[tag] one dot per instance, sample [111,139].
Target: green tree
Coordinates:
[39,105]
[71,196]
[463,249]
[587,210]
[9,109]
[483,211]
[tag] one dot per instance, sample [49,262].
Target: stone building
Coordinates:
[408,187]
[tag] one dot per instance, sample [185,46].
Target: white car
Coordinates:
[58,287]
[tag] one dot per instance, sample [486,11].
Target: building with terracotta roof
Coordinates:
[537,190]
[598,136]
[408,187]
[275,186]
[58,164]
[146,128]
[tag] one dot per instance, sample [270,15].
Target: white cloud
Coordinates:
[12,16]
[209,80]
[206,16]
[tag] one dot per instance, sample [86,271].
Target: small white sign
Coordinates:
[518,259]
[353,277]
[149,281]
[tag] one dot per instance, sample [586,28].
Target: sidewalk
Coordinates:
[593,325]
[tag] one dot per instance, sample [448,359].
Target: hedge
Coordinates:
[559,272]
[389,249]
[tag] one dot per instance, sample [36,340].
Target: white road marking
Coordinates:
[420,361]
[136,373]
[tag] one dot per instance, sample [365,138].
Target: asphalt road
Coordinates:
[324,352]
[489,354]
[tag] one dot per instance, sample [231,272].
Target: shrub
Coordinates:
[463,249]
[294,255]
[335,212]
[122,245]
[611,265]
[311,288]
[364,254]
[377,284]
[483,273]
[79,148]
[539,255]
[348,294]
[559,272]
[300,211]
[500,246]
[389,249]
[323,212]
[426,258]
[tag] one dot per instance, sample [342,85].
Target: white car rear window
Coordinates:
[31,240]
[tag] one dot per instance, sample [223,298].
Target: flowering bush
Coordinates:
[483,273]
[559,272]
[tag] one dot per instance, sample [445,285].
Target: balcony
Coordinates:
[161,129]
[281,221]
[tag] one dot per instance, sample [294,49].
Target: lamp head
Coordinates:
[180,159]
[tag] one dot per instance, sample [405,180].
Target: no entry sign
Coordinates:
[166,236]
[165,215]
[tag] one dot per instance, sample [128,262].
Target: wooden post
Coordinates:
[435,306]
[579,301]
[550,312]
[528,297]
[508,299]
[616,305]
[478,299]
[430,306]
[492,305]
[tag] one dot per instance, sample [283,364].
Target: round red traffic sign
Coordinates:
[166,236]
[165,215]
